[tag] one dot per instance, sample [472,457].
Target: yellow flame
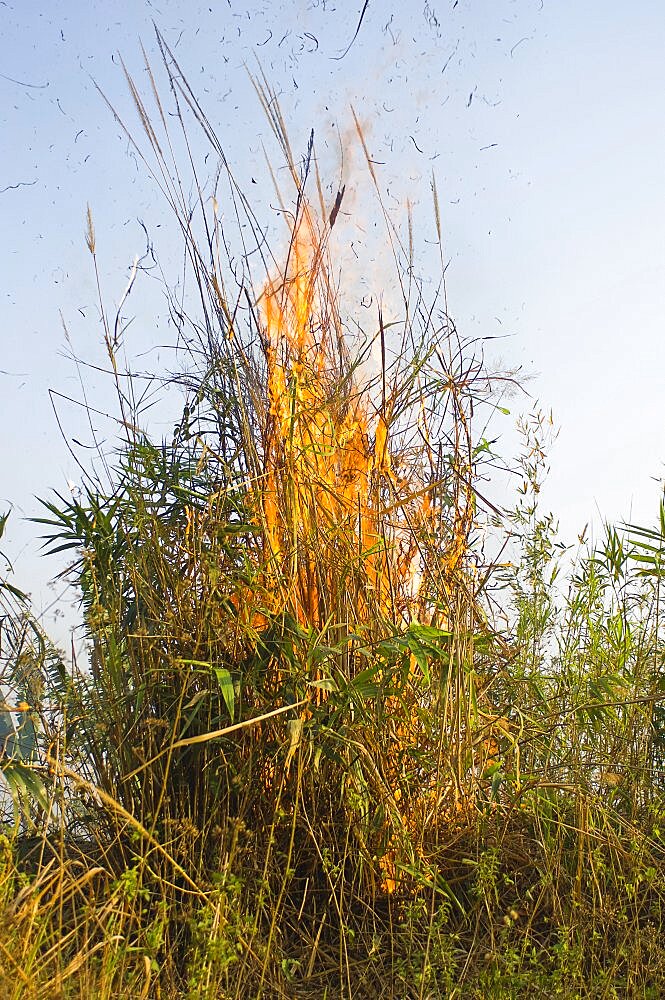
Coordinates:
[320,504]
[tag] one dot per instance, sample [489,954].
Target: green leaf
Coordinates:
[433,880]
[364,683]
[26,736]
[13,590]
[325,684]
[225,682]
[421,659]
[8,747]
[429,635]
[497,780]
[24,786]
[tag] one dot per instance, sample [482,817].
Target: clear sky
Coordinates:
[543,121]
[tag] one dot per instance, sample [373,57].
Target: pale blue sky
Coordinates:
[544,125]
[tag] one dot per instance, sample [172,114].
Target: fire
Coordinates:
[321,495]
[341,521]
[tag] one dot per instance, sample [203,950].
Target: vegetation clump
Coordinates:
[325,745]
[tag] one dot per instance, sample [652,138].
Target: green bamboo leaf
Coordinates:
[364,683]
[25,786]
[8,746]
[497,780]
[225,682]
[14,591]
[324,684]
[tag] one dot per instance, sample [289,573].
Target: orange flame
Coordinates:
[323,496]
[320,501]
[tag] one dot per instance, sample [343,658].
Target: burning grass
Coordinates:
[305,761]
